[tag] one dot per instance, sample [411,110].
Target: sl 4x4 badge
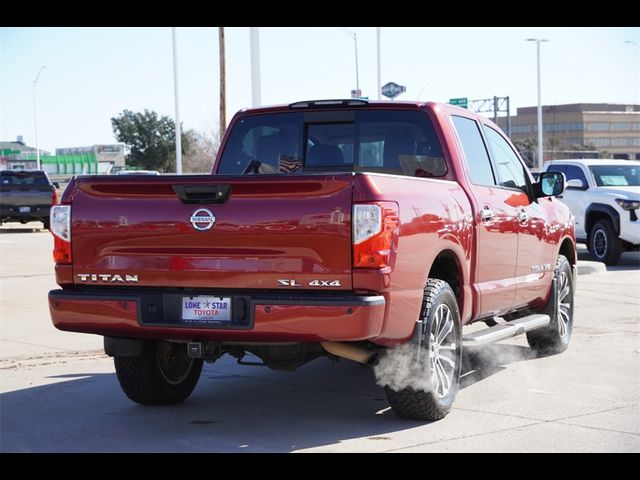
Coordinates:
[312,283]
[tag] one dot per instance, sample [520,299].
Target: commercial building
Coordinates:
[612,129]
[17,155]
[102,159]
[95,159]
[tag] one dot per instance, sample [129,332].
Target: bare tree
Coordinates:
[203,147]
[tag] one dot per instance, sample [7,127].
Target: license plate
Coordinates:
[206,309]
[25,209]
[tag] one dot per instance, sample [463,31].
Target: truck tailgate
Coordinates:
[270,233]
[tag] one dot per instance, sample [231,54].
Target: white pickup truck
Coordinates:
[604,196]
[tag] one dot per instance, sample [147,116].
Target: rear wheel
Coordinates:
[163,375]
[604,244]
[431,388]
[555,338]
[45,224]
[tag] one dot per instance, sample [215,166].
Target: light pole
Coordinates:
[540,142]
[422,90]
[355,40]
[254,42]
[378,55]
[636,60]
[177,103]
[35,116]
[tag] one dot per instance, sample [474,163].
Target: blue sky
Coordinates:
[94,73]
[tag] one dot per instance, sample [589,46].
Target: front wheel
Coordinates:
[428,368]
[163,375]
[604,243]
[555,337]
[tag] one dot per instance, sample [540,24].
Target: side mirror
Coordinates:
[576,183]
[56,184]
[551,184]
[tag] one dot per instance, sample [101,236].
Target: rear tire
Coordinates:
[556,336]
[604,243]
[440,345]
[45,224]
[163,375]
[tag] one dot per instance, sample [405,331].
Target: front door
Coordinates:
[536,248]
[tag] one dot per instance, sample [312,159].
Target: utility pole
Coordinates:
[177,103]
[223,95]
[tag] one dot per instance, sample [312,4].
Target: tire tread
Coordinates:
[141,381]
[417,404]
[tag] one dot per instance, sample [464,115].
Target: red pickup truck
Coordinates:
[340,228]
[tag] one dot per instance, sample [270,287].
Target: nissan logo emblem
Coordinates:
[203,219]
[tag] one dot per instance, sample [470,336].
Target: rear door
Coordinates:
[495,221]
[217,232]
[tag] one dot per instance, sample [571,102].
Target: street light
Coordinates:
[634,44]
[378,56]
[355,40]
[422,90]
[35,116]
[540,143]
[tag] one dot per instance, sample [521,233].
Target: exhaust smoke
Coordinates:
[399,368]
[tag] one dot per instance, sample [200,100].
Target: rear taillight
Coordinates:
[60,226]
[54,197]
[375,234]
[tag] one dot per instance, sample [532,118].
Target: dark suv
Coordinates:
[26,196]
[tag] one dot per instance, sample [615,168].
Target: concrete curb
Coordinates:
[586,267]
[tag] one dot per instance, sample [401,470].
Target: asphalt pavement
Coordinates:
[59,392]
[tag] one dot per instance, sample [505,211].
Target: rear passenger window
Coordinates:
[574,172]
[23,178]
[557,168]
[475,152]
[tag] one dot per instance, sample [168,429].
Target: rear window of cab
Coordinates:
[386,141]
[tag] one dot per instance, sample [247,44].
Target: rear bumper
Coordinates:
[13,214]
[260,318]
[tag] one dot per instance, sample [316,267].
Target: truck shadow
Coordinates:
[480,363]
[628,260]
[233,409]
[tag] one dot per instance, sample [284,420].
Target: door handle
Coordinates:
[486,213]
[522,216]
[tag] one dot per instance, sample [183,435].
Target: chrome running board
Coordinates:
[505,330]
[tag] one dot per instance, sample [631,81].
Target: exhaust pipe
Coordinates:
[350,352]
